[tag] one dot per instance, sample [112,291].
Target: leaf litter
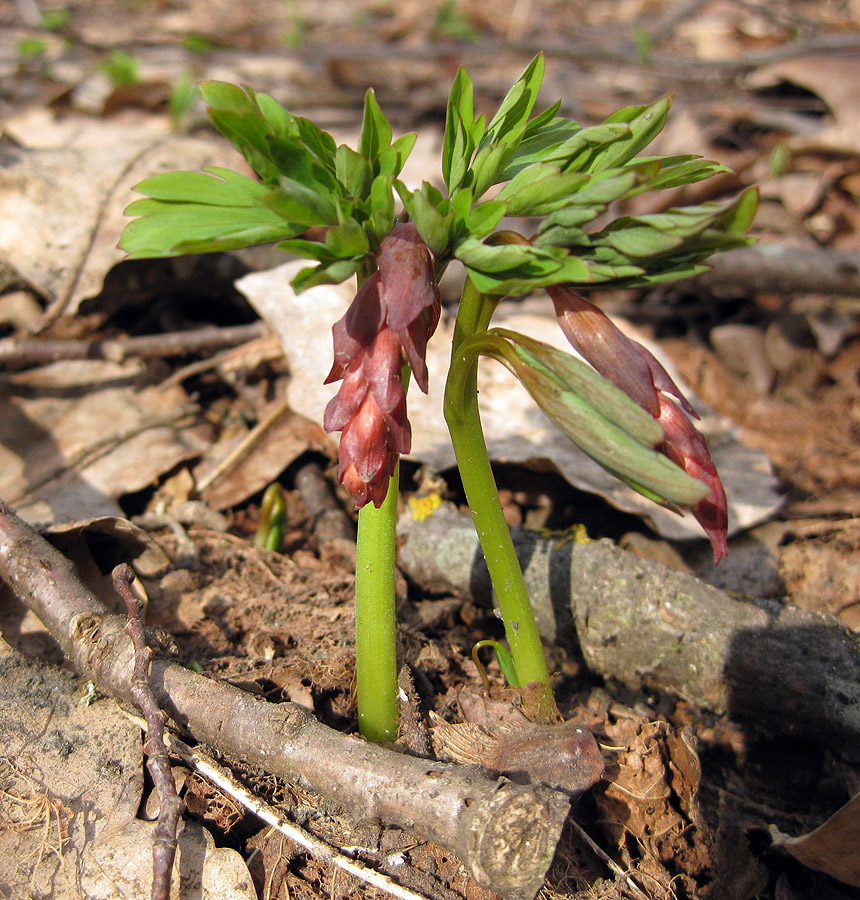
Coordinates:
[280,625]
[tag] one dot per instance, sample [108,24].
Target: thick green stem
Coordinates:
[375,622]
[467,436]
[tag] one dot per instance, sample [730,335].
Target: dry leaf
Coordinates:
[837,81]
[75,435]
[64,188]
[832,848]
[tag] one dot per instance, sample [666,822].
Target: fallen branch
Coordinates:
[781,269]
[32,351]
[646,625]
[504,833]
[220,776]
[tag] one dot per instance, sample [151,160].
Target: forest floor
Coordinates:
[90,438]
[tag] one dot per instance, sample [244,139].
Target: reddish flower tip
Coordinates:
[392,317]
[634,369]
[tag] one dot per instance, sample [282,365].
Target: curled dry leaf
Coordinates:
[832,847]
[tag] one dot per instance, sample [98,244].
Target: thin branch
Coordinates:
[158,760]
[782,269]
[32,351]
[486,823]
[220,776]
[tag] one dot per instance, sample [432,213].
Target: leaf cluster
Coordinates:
[315,198]
[334,204]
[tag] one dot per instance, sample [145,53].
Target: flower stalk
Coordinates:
[464,423]
[375,618]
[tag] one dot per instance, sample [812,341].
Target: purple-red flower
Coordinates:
[635,370]
[388,323]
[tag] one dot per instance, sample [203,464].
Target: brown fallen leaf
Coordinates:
[832,848]
[75,435]
[564,757]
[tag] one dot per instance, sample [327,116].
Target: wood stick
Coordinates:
[504,833]
[783,668]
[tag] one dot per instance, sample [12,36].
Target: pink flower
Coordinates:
[387,324]
[631,367]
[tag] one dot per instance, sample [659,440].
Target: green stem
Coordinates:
[375,621]
[464,423]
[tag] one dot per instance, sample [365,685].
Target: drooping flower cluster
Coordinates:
[388,323]
[631,367]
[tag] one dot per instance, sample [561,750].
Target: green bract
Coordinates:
[596,415]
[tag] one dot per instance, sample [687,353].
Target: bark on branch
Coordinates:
[781,269]
[504,833]
[647,625]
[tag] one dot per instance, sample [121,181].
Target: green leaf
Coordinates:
[503,257]
[489,162]
[353,171]
[381,200]
[538,143]
[296,203]
[575,154]
[333,273]
[169,229]
[238,115]
[307,249]
[431,214]
[460,137]
[511,120]
[642,241]
[537,189]
[401,148]
[297,164]
[644,122]
[482,219]
[375,130]
[221,210]
[677,171]
[317,141]
[347,240]
[221,187]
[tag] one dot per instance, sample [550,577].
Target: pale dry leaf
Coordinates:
[64,186]
[77,434]
[836,80]
[517,431]
[832,848]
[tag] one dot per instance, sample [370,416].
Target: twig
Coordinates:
[158,760]
[504,833]
[244,447]
[620,874]
[31,351]
[221,777]
[680,12]
[779,268]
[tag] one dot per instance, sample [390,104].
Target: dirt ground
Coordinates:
[687,805]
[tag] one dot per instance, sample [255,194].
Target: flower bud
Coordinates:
[388,323]
[635,370]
